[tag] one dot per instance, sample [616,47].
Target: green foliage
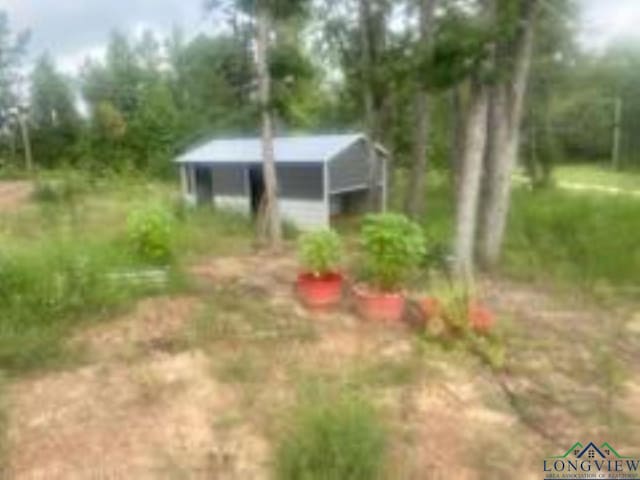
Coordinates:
[392,246]
[149,233]
[320,252]
[56,124]
[339,438]
[46,289]
[63,189]
[588,239]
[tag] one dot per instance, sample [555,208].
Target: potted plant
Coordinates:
[392,246]
[319,285]
[481,318]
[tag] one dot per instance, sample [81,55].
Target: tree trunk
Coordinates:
[268,226]
[507,106]
[366,69]
[474,140]
[456,139]
[415,194]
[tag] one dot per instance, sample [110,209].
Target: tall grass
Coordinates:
[587,239]
[48,287]
[581,239]
[335,438]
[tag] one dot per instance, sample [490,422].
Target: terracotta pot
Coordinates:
[481,318]
[320,291]
[379,306]
[430,307]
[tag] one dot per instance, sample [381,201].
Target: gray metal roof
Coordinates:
[299,149]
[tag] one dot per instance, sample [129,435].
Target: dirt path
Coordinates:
[13,194]
[198,386]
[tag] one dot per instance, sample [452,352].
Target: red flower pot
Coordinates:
[430,307]
[379,306]
[320,291]
[481,318]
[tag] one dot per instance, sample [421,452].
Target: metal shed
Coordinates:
[319,176]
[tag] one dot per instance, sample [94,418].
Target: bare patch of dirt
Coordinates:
[154,324]
[130,421]
[14,194]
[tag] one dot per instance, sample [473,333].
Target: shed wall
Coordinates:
[303,182]
[349,170]
[305,214]
[229,180]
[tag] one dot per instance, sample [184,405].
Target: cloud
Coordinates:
[605,21]
[70,28]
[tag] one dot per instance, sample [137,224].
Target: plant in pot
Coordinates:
[392,246]
[320,283]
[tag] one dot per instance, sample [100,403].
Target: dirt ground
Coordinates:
[166,392]
[13,194]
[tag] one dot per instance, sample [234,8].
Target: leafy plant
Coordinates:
[393,245]
[340,439]
[149,232]
[320,251]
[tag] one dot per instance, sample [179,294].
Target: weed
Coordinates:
[237,312]
[332,438]
[244,367]
[149,232]
[45,289]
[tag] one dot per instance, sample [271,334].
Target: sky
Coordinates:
[71,30]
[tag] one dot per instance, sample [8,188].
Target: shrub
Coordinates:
[393,245]
[343,439]
[149,232]
[320,251]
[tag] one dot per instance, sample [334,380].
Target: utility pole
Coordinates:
[26,142]
[617,120]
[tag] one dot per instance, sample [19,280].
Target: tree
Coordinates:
[53,113]
[269,225]
[512,62]
[12,49]
[415,192]
[265,13]
[468,192]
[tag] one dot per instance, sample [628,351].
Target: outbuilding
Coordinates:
[319,176]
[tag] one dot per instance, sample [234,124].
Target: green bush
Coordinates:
[320,252]
[332,440]
[149,232]
[392,247]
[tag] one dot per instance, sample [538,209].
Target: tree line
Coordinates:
[470,86]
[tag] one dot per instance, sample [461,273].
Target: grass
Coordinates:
[61,255]
[584,240]
[234,312]
[594,174]
[3,428]
[47,289]
[336,437]
[589,240]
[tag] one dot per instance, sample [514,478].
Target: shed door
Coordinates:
[256,188]
[204,185]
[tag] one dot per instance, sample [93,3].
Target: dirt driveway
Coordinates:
[13,194]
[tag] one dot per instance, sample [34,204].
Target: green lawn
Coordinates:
[590,174]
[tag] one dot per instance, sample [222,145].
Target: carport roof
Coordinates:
[297,149]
